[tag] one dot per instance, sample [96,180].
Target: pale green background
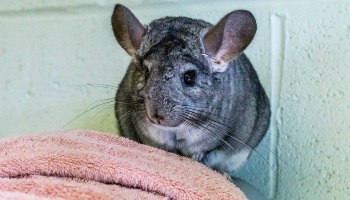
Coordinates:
[51,50]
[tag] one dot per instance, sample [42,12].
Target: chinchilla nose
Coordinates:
[159,118]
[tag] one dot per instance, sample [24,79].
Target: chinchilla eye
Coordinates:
[190,77]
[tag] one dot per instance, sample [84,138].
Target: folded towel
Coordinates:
[91,165]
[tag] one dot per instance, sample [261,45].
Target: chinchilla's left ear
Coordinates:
[127,29]
[228,38]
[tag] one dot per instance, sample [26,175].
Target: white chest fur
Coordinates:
[182,138]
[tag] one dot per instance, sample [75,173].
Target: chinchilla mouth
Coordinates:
[161,122]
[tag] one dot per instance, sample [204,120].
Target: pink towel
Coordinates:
[91,165]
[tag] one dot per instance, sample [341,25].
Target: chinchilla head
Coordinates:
[178,62]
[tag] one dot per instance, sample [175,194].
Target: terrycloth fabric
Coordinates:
[91,165]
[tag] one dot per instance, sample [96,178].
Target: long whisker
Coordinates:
[106,107]
[220,126]
[225,128]
[107,101]
[207,132]
[103,86]
[198,109]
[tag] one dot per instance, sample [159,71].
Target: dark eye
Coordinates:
[190,77]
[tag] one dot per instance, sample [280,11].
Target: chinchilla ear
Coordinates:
[127,29]
[228,38]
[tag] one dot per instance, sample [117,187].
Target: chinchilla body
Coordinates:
[188,93]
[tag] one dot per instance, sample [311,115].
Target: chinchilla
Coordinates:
[190,89]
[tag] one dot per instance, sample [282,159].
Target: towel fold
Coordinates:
[92,165]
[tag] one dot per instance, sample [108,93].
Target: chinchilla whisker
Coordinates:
[218,125]
[198,111]
[225,128]
[284,162]
[284,139]
[193,116]
[200,114]
[218,116]
[207,131]
[127,116]
[103,86]
[127,104]
[198,107]
[129,100]
[106,107]
[104,102]
[90,108]
[129,91]
[215,126]
[119,109]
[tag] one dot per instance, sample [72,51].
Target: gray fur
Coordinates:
[214,122]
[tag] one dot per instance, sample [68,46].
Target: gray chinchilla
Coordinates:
[189,89]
